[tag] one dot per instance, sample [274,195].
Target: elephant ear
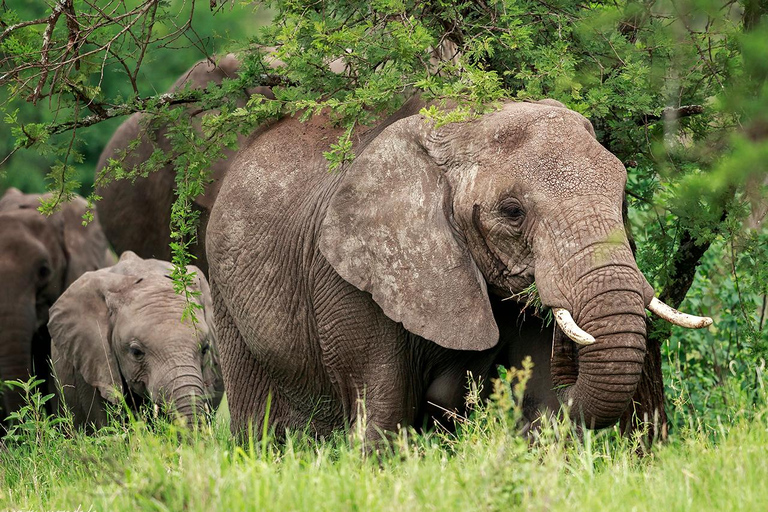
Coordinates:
[212,377]
[80,325]
[201,283]
[387,231]
[85,247]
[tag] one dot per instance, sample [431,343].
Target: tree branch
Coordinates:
[23,24]
[144,104]
[672,113]
[51,23]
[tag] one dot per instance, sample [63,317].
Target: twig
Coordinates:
[52,19]
[143,104]
[672,113]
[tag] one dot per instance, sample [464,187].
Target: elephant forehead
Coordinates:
[564,175]
[161,324]
[155,298]
[20,231]
[549,148]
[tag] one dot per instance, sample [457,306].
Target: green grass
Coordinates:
[485,466]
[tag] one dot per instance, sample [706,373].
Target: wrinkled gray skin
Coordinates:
[385,280]
[147,201]
[39,258]
[120,328]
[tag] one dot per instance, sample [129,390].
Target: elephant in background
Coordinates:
[39,258]
[120,330]
[386,281]
[147,201]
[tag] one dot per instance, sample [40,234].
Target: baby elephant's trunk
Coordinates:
[185,395]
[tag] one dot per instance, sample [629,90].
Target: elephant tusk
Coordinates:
[570,328]
[676,317]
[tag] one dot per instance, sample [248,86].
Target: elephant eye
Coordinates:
[512,210]
[43,272]
[135,351]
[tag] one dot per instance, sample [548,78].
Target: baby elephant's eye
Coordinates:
[135,352]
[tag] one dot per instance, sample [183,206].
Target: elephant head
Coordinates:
[120,329]
[431,220]
[39,257]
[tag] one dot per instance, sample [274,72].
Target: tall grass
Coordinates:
[484,465]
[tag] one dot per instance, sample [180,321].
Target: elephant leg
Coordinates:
[372,362]
[252,396]
[41,367]
[386,402]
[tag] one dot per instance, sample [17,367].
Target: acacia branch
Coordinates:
[672,113]
[152,103]
[50,24]
[12,28]
[137,105]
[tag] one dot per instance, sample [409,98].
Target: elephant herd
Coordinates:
[365,295]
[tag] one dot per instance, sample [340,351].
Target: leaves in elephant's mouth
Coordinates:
[531,301]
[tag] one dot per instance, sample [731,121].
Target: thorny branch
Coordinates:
[112,34]
[672,113]
[149,103]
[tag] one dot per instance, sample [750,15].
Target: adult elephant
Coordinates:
[39,258]
[147,200]
[385,281]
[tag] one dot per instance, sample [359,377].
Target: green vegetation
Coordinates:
[161,65]
[674,88]
[486,465]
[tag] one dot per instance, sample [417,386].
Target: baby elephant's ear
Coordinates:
[212,378]
[387,231]
[201,284]
[80,325]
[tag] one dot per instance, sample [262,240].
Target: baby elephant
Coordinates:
[119,330]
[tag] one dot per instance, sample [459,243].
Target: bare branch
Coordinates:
[51,23]
[8,31]
[152,102]
[672,113]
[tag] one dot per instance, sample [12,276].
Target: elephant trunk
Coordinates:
[598,381]
[593,275]
[185,393]
[18,329]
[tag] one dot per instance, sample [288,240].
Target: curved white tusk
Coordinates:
[569,327]
[676,317]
